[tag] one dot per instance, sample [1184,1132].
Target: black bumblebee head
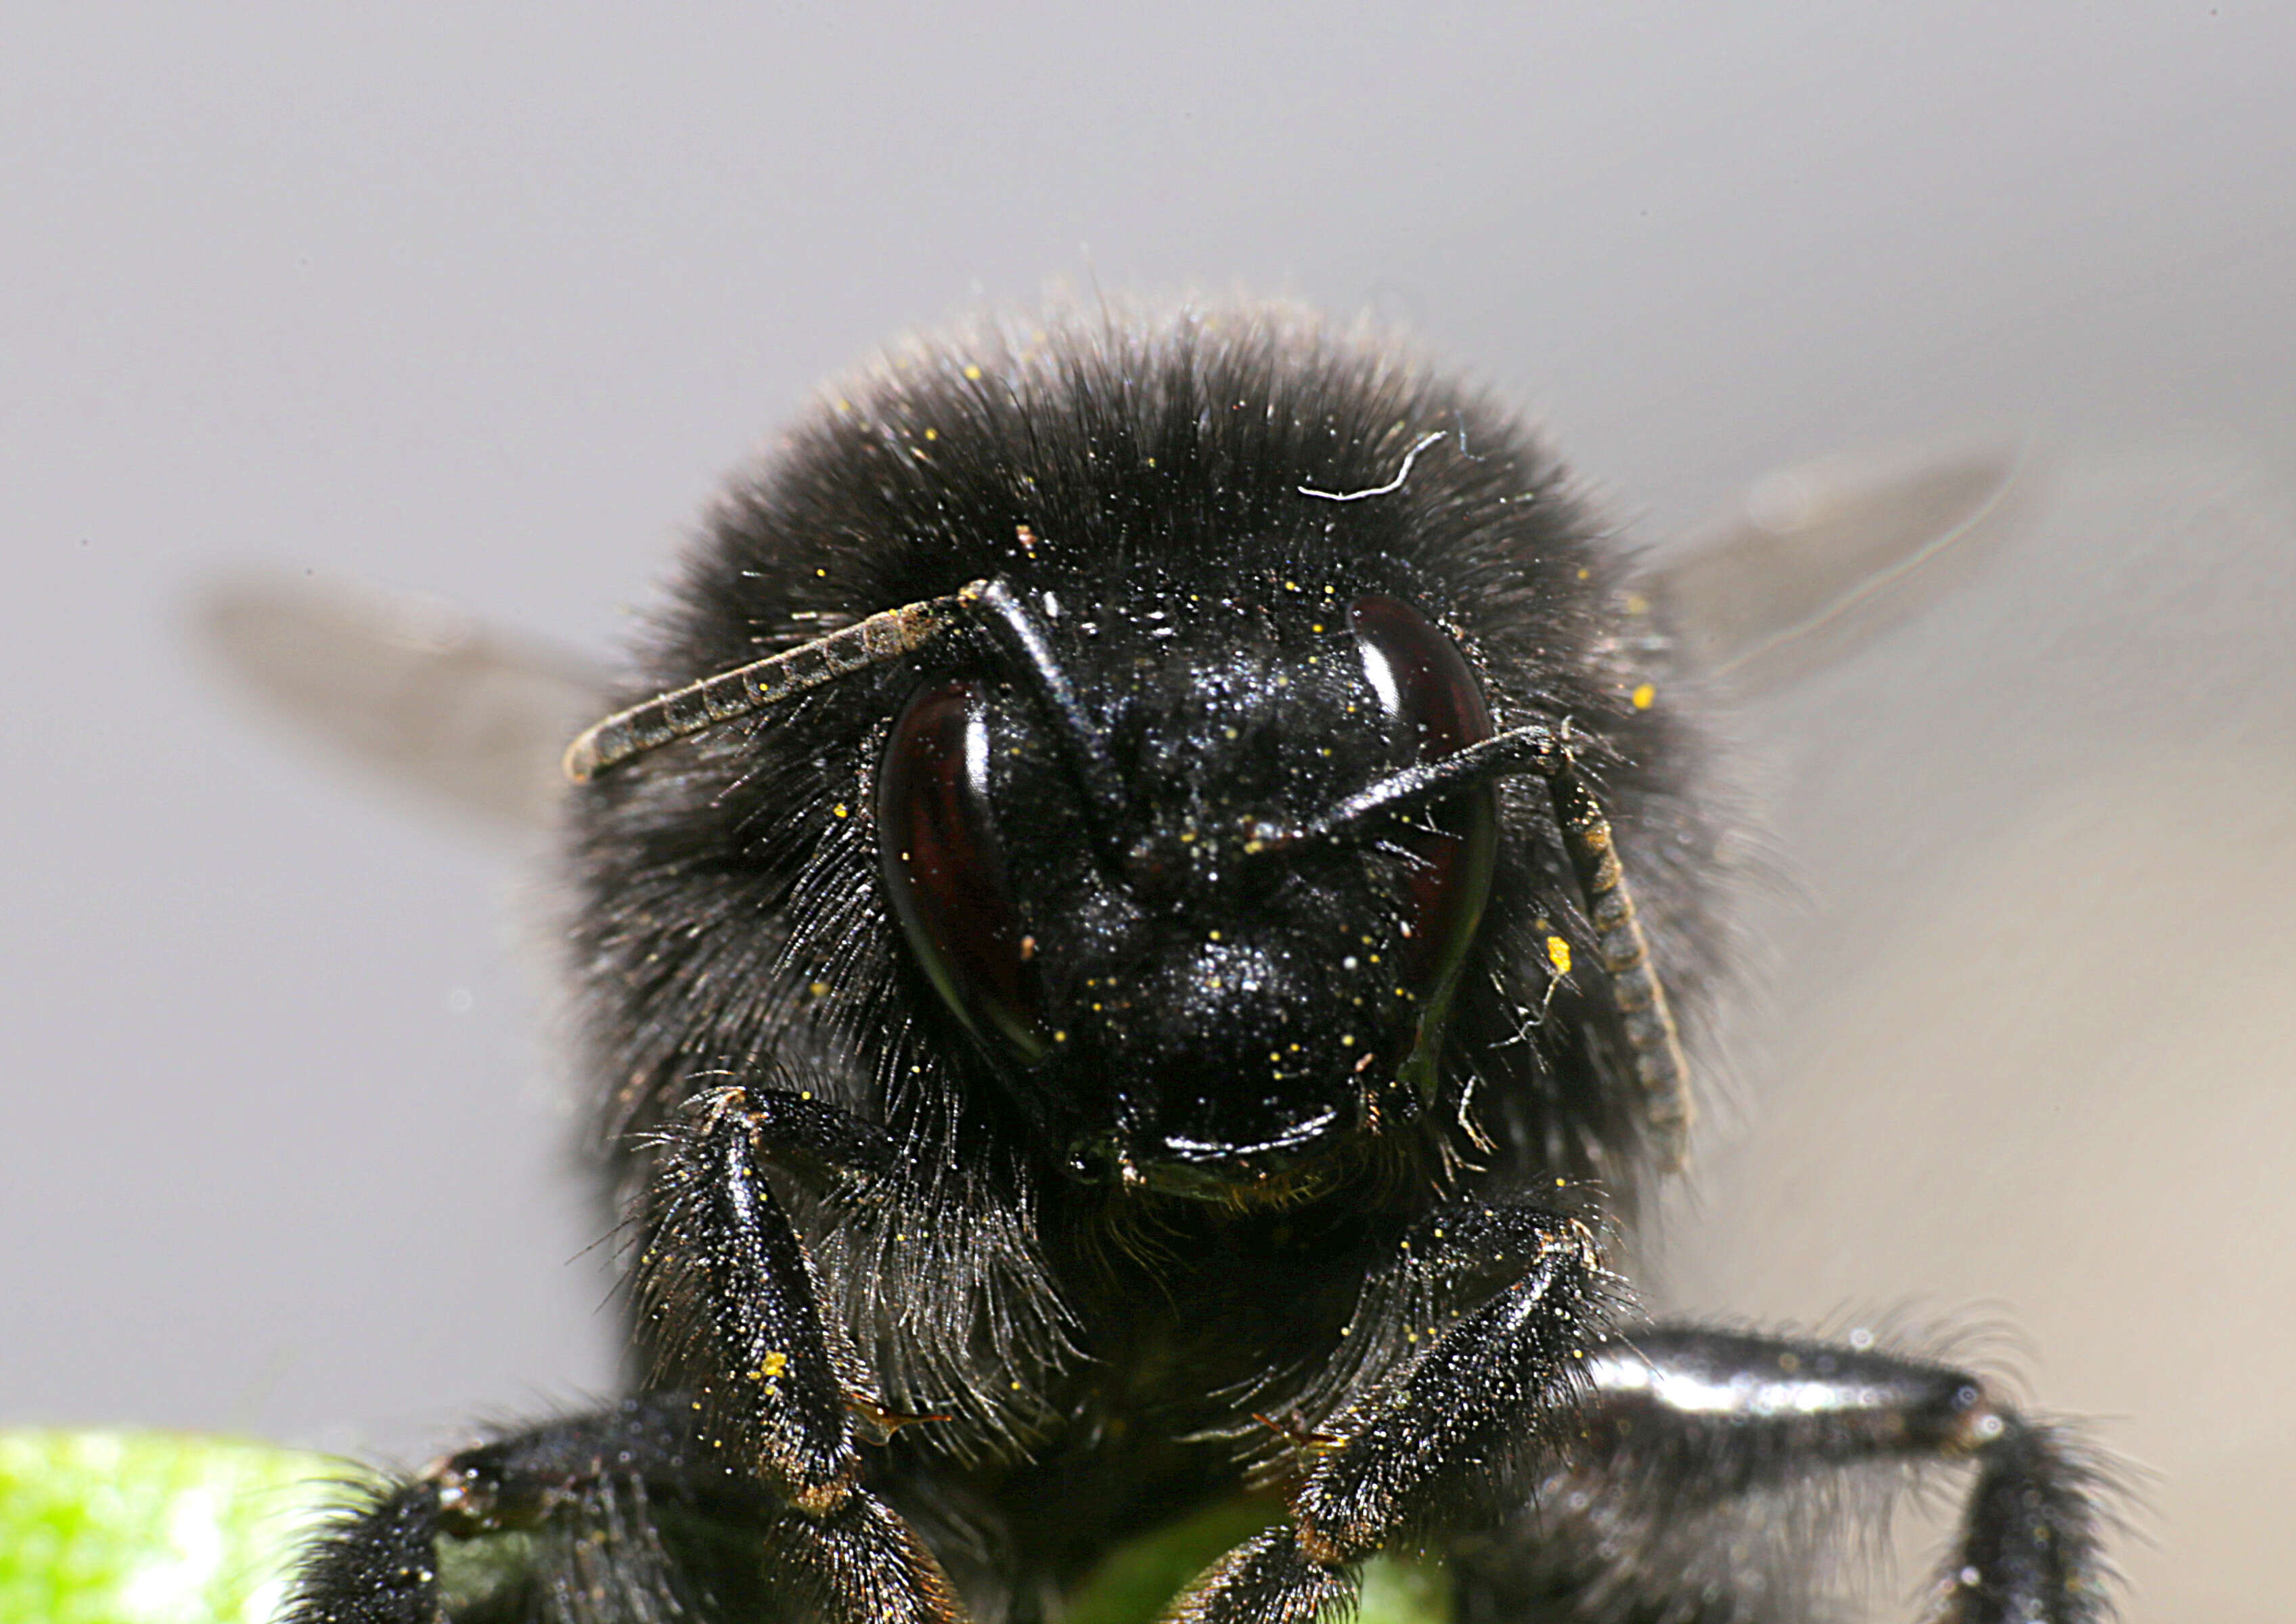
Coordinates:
[1131,838]
[1112,899]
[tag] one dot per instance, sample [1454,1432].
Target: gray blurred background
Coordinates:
[483,304]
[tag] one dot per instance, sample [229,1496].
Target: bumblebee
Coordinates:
[1142,931]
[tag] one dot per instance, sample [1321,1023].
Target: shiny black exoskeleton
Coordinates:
[1079,1063]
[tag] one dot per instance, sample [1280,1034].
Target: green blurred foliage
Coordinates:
[165,1527]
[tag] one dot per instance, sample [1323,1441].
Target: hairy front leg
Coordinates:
[1437,1444]
[756,1428]
[623,1514]
[730,1308]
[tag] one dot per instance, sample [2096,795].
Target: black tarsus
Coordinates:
[1679,1426]
[2033,1540]
[1436,1439]
[727,1301]
[1657,1430]
[633,1512]
[376,1562]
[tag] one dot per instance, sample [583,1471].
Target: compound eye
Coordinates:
[1434,706]
[943,867]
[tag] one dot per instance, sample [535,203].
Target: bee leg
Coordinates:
[728,1301]
[377,1563]
[1432,1445]
[1683,1421]
[617,1512]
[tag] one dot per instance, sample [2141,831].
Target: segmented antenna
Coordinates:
[1654,1041]
[886,635]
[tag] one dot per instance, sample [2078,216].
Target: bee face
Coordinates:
[1159,976]
[1097,787]
[1254,571]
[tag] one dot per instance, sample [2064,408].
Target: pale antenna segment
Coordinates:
[884,636]
[1654,1042]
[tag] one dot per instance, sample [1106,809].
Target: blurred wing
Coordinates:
[1822,559]
[1819,560]
[2026,1052]
[473,719]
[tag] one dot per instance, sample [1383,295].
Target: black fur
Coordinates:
[1041,1359]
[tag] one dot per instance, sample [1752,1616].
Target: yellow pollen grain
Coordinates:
[972,375]
[1558,954]
[1643,695]
[819,990]
[839,811]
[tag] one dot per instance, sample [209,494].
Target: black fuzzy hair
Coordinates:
[731,924]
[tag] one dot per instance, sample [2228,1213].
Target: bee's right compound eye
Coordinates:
[943,867]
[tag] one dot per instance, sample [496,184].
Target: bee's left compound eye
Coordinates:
[944,868]
[1435,707]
